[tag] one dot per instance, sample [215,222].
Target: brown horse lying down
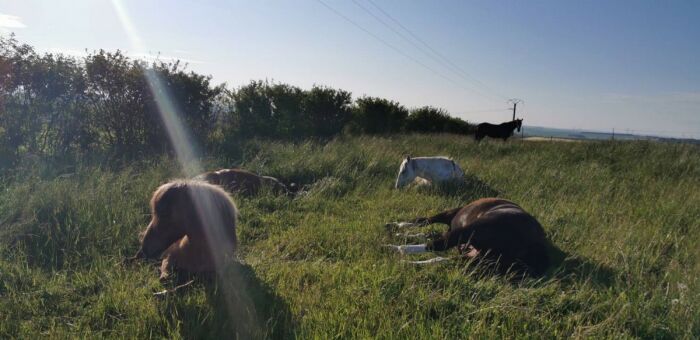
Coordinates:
[243,181]
[490,228]
[193,228]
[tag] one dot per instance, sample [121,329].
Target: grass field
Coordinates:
[625,217]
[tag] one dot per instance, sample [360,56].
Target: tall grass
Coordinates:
[624,217]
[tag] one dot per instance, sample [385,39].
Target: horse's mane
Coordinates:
[512,123]
[198,191]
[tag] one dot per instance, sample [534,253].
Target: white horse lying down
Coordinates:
[429,169]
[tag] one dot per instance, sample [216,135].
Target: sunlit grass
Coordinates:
[626,214]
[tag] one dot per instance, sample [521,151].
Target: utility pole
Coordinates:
[515,102]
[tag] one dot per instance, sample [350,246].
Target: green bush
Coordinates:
[108,106]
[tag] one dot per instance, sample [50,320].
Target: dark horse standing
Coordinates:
[503,130]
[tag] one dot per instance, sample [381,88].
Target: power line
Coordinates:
[396,49]
[386,43]
[426,52]
[459,70]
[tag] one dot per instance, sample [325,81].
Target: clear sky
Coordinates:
[628,65]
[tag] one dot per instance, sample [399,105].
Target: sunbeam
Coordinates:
[178,135]
[182,143]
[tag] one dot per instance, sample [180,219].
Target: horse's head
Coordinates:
[518,124]
[407,173]
[166,223]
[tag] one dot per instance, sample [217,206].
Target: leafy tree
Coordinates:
[428,119]
[287,101]
[327,109]
[108,104]
[378,115]
[42,107]
[253,110]
[192,96]
[123,94]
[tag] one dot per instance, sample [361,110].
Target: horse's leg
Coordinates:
[476,234]
[175,289]
[444,217]
[412,236]
[409,248]
[166,268]
[430,261]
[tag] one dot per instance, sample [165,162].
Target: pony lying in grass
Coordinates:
[489,228]
[429,169]
[503,130]
[244,181]
[193,228]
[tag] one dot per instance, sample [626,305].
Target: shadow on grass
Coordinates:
[468,189]
[237,306]
[569,268]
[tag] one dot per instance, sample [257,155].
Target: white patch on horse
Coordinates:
[463,219]
[413,248]
[431,169]
[420,181]
[409,248]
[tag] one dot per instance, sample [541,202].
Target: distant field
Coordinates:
[624,215]
[550,139]
[537,131]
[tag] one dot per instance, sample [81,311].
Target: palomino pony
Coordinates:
[193,228]
[488,228]
[431,169]
[243,181]
[503,130]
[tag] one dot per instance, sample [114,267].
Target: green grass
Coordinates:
[625,217]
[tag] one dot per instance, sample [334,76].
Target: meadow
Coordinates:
[623,217]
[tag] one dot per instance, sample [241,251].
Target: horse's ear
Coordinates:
[408,158]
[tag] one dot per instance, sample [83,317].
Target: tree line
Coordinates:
[63,107]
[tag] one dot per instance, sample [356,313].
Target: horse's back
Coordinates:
[234,179]
[503,130]
[432,158]
[438,168]
[474,210]
[499,216]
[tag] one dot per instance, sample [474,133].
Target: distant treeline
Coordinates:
[63,107]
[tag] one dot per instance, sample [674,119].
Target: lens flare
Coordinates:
[239,305]
[177,133]
[180,139]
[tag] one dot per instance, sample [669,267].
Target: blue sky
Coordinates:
[599,65]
